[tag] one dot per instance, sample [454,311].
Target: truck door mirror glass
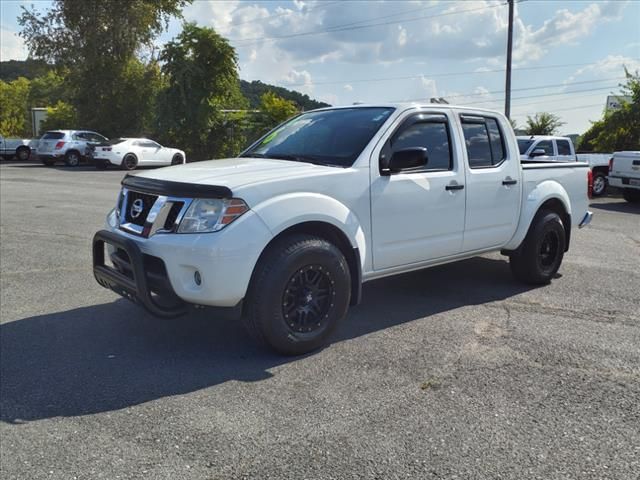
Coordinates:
[408,158]
[538,152]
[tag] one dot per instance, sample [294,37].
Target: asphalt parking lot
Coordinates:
[452,372]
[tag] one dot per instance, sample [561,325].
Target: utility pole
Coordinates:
[507,88]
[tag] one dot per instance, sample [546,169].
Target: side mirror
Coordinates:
[407,159]
[538,152]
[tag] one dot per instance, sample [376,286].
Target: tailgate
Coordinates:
[626,165]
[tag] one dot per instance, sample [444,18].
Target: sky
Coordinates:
[567,57]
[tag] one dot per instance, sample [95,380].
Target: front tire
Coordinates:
[299,292]
[631,195]
[129,162]
[540,256]
[599,184]
[177,159]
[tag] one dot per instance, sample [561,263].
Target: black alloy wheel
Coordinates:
[548,251]
[307,299]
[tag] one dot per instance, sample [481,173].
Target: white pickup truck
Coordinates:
[624,173]
[16,147]
[331,199]
[548,148]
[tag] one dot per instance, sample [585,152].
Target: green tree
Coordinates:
[543,124]
[101,43]
[619,129]
[201,74]
[13,108]
[60,116]
[276,109]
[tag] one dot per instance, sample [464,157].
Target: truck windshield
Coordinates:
[328,137]
[523,145]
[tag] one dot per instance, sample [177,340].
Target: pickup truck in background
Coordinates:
[328,200]
[19,148]
[624,173]
[560,149]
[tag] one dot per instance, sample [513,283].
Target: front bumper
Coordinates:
[131,279]
[224,261]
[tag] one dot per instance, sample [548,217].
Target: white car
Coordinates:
[624,173]
[129,153]
[331,199]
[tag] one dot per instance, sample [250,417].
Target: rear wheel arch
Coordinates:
[333,235]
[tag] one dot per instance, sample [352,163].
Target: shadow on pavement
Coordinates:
[111,356]
[622,207]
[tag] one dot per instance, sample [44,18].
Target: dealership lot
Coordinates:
[452,372]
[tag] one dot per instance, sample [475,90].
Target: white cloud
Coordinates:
[11,46]
[609,67]
[348,88]
[565,27]
[301,79]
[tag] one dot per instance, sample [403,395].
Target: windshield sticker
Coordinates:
[271,136]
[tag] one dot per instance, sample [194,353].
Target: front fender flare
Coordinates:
[285,211]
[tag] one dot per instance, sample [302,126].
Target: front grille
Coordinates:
[147,203]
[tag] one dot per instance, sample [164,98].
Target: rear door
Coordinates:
[564,151]
[418,214]
[493,183]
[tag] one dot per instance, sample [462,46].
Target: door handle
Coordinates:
[509,181]
[454,186]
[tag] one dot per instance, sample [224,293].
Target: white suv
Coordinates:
[72,146]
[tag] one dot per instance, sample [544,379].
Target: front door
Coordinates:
[418,214]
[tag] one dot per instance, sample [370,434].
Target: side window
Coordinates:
[434,136]
[484,141]
[545,145]
[77,136]
[563,147]
[476,138]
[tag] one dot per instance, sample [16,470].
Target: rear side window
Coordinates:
[53,136]
[432,135]
[563,147]
[484,141]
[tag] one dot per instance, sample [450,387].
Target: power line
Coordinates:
[542,96]
[336,29]
[475,94]
[437,75]
[288,12]
[331,28]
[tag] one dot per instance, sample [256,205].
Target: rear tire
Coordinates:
[129,162]
[48,162]
[23,153]
[599,184]
[72,159]
[299,292]
[100,165]
[631,195]
[542,250]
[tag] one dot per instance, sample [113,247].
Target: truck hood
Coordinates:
[238,173]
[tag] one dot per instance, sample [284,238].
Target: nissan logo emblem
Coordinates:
[136,208]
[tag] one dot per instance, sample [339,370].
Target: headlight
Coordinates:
[211,214]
